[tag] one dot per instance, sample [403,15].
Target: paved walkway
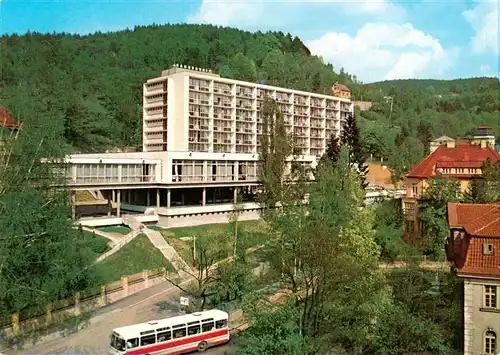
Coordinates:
[157,239]
[120,244]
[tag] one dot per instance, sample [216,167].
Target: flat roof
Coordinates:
[211,76]
[133,331]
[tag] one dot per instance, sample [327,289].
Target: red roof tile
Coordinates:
[461,214]
[478,264]
[481,222]
[341,87]
[6,119]
[462,153]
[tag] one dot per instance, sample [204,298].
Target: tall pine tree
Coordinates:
[332,152]
[478,192]
[357,156]
[424,134]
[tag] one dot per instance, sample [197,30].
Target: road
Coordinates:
[160,301]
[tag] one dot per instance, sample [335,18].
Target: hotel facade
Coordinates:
[201,144]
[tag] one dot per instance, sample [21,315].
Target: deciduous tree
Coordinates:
[42,258]
[435,230]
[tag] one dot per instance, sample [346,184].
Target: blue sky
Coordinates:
[373,39]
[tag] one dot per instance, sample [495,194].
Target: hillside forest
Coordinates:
[88,89]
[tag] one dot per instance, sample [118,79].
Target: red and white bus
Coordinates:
[176,335]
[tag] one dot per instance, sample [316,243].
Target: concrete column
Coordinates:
[113,195]
[168,198]
[118,202]
[73,204]
[235,194]
[15,323]
[77,304]
[158,198]
[148,198]
[204,197]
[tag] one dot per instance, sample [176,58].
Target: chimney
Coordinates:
[450,144]
[484,144]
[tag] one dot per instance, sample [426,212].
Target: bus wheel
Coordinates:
[203,346]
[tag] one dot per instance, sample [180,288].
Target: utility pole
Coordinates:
[392,102]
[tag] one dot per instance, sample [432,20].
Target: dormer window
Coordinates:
[487,249]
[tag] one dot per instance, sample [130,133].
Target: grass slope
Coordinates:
[138,255]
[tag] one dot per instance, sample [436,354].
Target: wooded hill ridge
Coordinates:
[90,87]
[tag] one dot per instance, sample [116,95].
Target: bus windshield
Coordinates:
[117,342]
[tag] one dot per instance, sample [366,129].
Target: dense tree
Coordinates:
[42,258]
[330,307]
[351,137]
[332,152]
[479,191]
[424,135]
[435,230]
[389,230]
[276,170]
[274,330]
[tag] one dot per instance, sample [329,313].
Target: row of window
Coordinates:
[459,171]
[106,173]
[161,335]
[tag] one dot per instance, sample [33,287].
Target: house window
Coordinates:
[487,249]
[490,342]
[460,170]
[414,189]
[409,208]
[490,296]
[410,227]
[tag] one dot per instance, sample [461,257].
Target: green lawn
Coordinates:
[116,229]
[138,255]
[98,244]
[251,233]
[155,227]
[251,227]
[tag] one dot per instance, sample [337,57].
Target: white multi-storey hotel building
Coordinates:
[201,143]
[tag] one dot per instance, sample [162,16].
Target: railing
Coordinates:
[81,302]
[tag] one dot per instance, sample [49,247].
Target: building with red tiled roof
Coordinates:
[474,250]
[341,90]
[460,159]
[6,119]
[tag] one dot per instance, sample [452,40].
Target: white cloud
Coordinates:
[484,18]
[382,51]
[253,13]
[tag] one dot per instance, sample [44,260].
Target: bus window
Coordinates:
[164,336]
[117,342]
[132,343]
[148,340]
[206,327]
[221,324]
[193,329]
[179,333]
